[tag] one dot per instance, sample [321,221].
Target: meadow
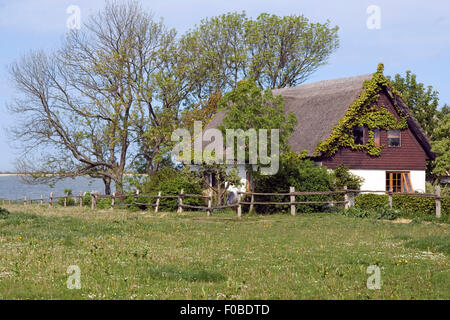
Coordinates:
[142,255]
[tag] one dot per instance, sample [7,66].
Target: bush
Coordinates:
[70,201]
[170,181]
[294,171]
[357,213]
[388,213]
[343,177]
[104,203]
[382,212]
[407,204]
[87,199]
[370,201]
[3,212]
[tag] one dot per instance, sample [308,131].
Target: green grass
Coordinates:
[130,255]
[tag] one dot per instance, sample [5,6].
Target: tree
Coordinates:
[275,51]
[285,51]
[91,104]
[441,146]
[202,111]
[249,107]
[423,101]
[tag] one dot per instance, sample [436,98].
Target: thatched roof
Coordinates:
[318,107]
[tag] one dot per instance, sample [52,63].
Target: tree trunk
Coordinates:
[107,182]
[119,184]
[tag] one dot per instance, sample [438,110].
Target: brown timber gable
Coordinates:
[410,155]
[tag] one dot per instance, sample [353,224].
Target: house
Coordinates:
[360,122]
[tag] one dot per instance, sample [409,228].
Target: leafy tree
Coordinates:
[276,51]
[285,51]
[444,111]
[251,108]
[441,146]
[202,111]
[423,101]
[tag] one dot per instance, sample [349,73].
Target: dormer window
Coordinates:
[358,135]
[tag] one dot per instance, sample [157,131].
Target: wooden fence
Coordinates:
[349,199]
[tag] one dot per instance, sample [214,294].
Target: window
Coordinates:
[393,137]
[398,181]
[376,136]
[358,135]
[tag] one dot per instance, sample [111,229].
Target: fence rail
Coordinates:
[349,199]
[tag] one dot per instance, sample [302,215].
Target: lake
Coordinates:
[12,187]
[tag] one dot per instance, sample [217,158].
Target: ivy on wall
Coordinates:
[364,112]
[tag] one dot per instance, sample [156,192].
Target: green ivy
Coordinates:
[364,112]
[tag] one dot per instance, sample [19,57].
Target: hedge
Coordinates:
[406,203]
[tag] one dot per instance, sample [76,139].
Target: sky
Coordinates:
[411,35]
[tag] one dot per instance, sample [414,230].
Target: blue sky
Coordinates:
[414,35]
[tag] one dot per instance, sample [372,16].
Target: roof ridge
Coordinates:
[343,80]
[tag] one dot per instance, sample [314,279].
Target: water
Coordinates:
[12,187]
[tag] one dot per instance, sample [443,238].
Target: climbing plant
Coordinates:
[364,112]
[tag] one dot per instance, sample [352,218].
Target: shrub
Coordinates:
[104,203]
[3,212]
[70,201]
[297,172]
[357,213]
[370,201]
[343,177]
[170,181]
[388,213]
[406,203]
[87,199]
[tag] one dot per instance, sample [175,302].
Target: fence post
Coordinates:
[93,201]
[50,199]
[292,200]
[65,200]
[157,202]
[239,207]
[346,199]
[390,198]
[24,201]
[209,203]
[252,199]
[438,201]
[81,199]
[42,199]
[351,199]
[113,200]
[180,201]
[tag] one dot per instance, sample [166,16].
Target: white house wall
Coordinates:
[376,179]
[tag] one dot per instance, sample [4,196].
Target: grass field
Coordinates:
[125,255]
